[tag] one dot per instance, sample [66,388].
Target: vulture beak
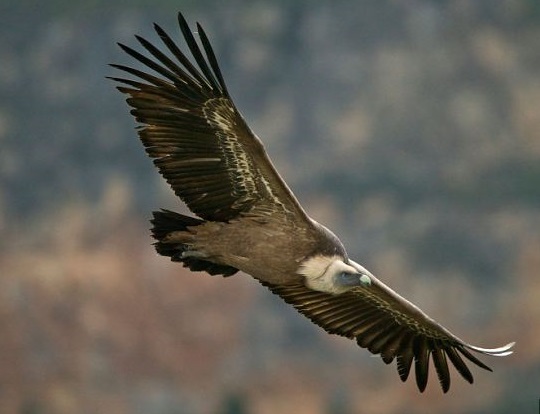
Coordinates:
[353,279]
[365,275]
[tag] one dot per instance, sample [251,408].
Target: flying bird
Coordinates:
[248,219]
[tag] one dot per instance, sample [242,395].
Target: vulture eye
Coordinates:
[349,279]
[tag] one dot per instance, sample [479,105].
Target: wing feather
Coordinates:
[196,52]
[196,136]
[380,341]
[421,361]
[211,58]
[441,367]
[387,324]
[391,346]
[405,358]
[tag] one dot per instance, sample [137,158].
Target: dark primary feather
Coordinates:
[197,138]
[373,317]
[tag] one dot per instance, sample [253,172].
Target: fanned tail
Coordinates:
[166,222]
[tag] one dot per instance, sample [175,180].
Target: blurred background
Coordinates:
[409,128]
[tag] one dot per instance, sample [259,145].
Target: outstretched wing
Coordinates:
[387,324]
[199,141]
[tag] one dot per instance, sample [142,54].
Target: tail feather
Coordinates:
[165,222]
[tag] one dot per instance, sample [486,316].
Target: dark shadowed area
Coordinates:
[409,128]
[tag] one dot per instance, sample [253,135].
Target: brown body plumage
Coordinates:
[249,219]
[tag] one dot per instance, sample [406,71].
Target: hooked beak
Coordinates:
[353,279]
[364,274]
